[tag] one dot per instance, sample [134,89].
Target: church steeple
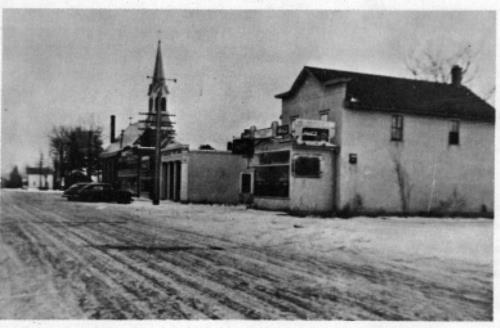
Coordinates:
[158,75]
[158,84]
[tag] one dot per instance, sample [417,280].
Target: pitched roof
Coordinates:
[393,94]
[131,135]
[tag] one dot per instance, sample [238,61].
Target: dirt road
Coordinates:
[61,259]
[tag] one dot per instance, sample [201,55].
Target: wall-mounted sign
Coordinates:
[353,158]
[314,134]
[282,130]
[263,133]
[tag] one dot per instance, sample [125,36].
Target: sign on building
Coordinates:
[313,132]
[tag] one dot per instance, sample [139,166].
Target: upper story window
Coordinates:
[323,114]
[454,136]
[397,128]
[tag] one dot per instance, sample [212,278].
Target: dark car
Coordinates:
[74,188]
[101,192]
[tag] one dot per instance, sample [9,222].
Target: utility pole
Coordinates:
[158,92]
[156,196]
[156,119]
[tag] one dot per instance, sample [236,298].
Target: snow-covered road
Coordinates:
[61,259]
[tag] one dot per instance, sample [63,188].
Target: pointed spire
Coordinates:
[158,75]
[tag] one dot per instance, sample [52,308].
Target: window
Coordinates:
[272,175]
[397,128]
[150,104]
[272,181]
[306,167]
[323,115]
[454,136]
[246,183]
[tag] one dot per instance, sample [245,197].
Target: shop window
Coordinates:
[454,135]
[306,167]
[397,128]
[246,183]
[271,181]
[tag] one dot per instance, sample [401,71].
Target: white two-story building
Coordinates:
[400,146]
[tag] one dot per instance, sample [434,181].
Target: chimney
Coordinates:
[112,132]
[456,75]
[121,139]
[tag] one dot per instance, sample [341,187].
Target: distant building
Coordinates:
[40,178]
[400,145]
[128,161]
[200,176]
[185,175]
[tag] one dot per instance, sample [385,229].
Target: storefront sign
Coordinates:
[263,133]
[282,130]
[314,134]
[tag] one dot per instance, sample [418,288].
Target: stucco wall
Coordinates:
[305,193]
[214,176]
[439,176]
[314,194]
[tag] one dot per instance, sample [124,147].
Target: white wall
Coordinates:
[437,173]
[434,168]
[305,193]
[34,181]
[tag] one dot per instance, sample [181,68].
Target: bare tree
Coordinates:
[431,62]
[75,148]
[433,59]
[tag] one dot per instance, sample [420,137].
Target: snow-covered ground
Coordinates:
[99,260]
[412,238]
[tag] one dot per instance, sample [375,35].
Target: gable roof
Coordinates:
[393,94]
[131,135]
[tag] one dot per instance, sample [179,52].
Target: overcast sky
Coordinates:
[81,66]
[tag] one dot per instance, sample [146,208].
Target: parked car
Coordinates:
[74,188]
[101,192]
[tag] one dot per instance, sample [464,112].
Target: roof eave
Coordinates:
[350,105]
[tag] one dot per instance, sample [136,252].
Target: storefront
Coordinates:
[294,171]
